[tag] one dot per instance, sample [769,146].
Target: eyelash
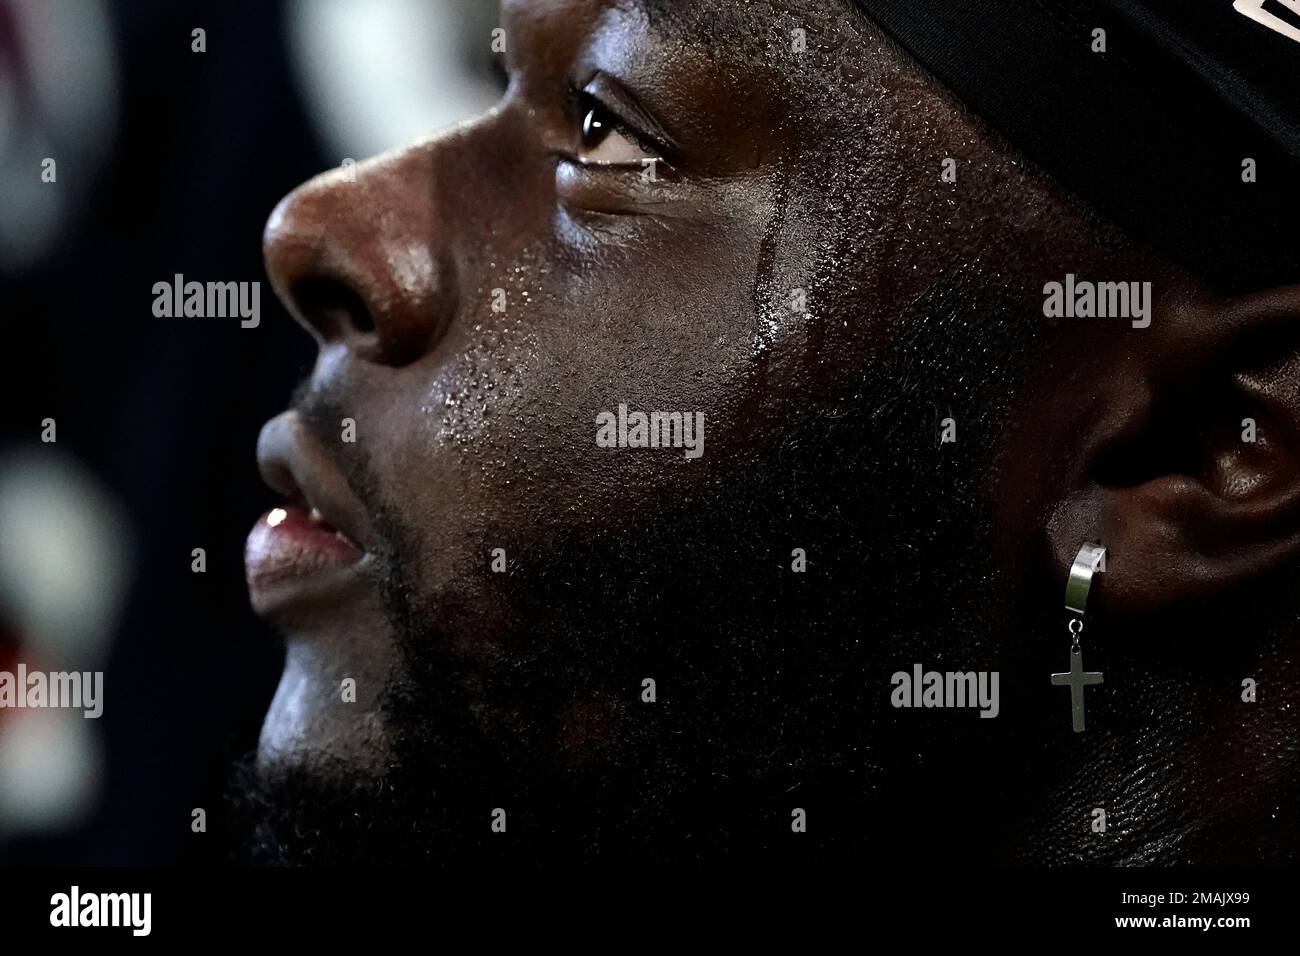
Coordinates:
[583,104]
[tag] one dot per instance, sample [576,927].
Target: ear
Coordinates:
[1190,470]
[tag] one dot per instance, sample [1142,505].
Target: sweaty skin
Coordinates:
[726,174]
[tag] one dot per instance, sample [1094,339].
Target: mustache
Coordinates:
[321,410]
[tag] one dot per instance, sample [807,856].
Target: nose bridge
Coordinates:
[362,254]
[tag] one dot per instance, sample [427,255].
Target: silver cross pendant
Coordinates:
[1077,679]
[1090,560]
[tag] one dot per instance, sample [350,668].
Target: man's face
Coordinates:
[732,211]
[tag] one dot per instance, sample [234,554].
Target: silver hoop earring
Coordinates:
[1090,559]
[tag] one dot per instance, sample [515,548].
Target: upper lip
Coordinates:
[296,465]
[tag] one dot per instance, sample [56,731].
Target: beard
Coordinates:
[772,687]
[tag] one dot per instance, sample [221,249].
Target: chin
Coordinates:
[326,719]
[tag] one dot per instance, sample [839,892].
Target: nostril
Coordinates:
[333,307]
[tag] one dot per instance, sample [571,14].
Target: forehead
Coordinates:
[716,23]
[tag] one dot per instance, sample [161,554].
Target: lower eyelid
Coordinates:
[586,166]
[620,193]
[596,188]
[589,164]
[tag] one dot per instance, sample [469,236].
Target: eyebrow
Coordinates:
[612,94]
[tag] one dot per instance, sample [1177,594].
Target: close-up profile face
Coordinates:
[666,410]
[831,434]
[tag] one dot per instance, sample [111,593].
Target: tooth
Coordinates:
[315,516]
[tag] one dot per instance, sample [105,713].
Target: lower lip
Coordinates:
[286,546]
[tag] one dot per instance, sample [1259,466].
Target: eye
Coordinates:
[606,139]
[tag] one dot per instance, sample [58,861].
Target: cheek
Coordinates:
[497,429]
[494,437]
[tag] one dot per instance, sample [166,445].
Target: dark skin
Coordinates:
[776,170]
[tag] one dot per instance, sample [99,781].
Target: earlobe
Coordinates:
[1193,479]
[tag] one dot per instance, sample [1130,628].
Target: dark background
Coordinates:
[166,411]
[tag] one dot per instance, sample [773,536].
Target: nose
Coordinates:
[357,256]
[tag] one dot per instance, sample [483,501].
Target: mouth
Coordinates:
[306,548]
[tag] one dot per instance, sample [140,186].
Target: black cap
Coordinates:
[1156,131]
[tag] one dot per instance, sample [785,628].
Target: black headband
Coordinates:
[1154,132]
